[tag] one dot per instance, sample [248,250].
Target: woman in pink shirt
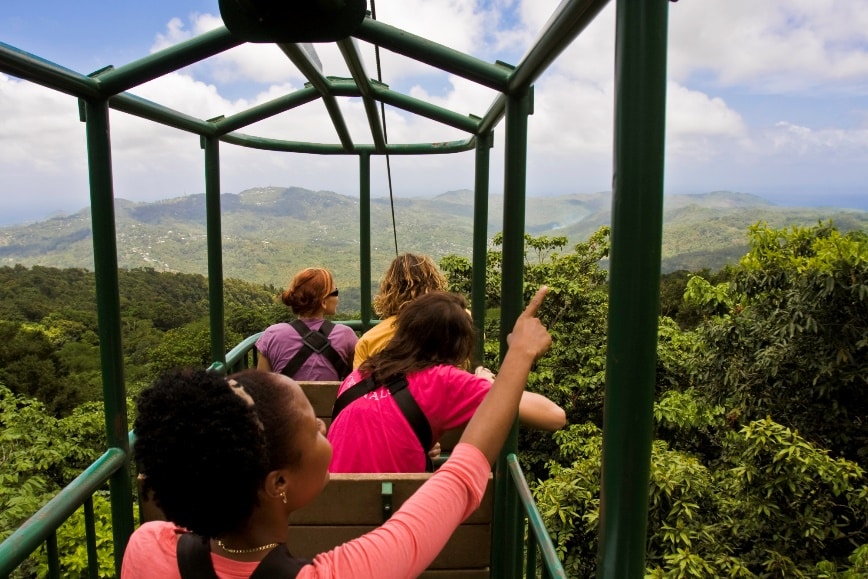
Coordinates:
[373,431]
[228,460]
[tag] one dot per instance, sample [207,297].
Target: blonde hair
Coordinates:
[408,277]
[307,290]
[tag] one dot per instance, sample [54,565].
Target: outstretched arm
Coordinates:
[537,411]
[493,419]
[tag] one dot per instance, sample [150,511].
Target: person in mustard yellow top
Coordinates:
[408,277]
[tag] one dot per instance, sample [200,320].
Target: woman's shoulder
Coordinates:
[162,531]
[151,538]
[345,329]
[439,372]
[277,328]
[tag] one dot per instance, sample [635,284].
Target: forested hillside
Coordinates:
[269,233]
[49,347]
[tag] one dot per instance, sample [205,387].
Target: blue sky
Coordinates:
[768,97]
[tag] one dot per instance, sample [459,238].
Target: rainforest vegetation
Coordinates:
[760,441]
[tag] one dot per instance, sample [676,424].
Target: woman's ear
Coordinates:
[275,485]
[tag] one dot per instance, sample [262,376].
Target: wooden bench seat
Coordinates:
[353,504]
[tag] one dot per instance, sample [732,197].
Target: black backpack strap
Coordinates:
[194,557]
[315,341]
[331,354]
[352,394]
[406,404]
[279,563]
[411,411]
[194,560]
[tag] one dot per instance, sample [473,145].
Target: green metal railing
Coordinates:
[538,540]
[42,527]
[640,79]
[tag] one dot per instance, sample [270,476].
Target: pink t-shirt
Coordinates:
[402,547]
[281,342]
[371,434]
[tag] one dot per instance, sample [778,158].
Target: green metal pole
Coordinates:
[105,258]
[215,248]
[637,224]
[480,241]
[506,550]
[365,237]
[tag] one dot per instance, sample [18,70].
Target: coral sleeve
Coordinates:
[406,544]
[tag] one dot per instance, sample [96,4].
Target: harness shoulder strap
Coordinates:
[411,411]
[194,557]
[351,394]
[315,341]
[331,354]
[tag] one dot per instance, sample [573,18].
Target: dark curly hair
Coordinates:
[205,447]
[433,329]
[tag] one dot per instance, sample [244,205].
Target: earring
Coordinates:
[283,496]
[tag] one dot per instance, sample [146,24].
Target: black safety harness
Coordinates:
[315,341]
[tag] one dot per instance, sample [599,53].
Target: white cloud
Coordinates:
[458,24]
[791,140]
[774,45]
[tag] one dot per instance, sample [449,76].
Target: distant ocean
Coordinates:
[841,199]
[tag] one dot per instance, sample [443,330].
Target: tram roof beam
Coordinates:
[267,110]
[30,67]
[426,109]
[493,115]
[567,21]
[268,144]
[158,113]
[437,55]
[308,64]
[350,51]
[168,60]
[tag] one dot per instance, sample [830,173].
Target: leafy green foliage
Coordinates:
[73,559]
[575,312]
[789,502]
[789,337]
[758,467]
[39,455]
[49,344]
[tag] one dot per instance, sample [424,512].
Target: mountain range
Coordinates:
[271,232]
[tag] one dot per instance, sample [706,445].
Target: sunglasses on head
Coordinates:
[333,294]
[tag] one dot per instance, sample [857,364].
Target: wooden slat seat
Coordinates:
[352,504]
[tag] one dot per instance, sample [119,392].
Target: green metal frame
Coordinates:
[641,28]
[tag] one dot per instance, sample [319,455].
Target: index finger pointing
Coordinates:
[535,302]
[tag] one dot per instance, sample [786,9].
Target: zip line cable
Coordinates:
[385,133]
